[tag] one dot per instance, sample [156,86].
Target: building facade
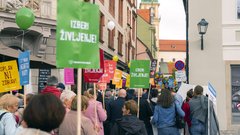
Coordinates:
[219,61]
[40,39]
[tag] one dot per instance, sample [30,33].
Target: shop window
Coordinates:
[235,93]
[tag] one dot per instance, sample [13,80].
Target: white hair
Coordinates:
[67,94]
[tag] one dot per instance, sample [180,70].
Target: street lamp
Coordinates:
[202,29]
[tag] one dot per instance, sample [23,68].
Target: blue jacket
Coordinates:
[166,117]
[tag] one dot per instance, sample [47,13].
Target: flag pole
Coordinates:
[95,105]
[79,84]
[138,101]
[208,115]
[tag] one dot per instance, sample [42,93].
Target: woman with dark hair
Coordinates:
[44,113]
[129,124]
[186,109]
[164,116]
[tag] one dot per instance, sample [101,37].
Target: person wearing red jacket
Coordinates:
[186,109]
[51,87]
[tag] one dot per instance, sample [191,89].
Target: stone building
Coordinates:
[40,39]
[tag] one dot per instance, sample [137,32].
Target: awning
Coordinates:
[35,62]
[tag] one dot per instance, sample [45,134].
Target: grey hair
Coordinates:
[52,81]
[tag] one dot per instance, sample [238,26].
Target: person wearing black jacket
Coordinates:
[129,124]
[145,112]
[115,107]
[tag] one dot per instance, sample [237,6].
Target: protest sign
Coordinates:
[139,74]
[117,76]
[69,76]
[77,34]
[9,76]
[24,66]
[93,75]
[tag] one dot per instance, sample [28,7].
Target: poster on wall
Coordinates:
[43,75]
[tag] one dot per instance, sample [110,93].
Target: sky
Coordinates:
[172,23]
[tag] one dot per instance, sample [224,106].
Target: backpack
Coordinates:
[1,124]
[2,115]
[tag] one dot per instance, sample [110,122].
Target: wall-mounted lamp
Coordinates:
[111,25]
[202,29]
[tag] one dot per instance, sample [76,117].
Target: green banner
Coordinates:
[139,74]
[77,34]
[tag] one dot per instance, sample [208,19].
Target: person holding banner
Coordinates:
[164,117]
[8,106]
[98,115]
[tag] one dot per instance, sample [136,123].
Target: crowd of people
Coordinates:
[112,112]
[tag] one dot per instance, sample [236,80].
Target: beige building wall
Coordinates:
[125,29]
[141,51]
[208,65]
[169,56]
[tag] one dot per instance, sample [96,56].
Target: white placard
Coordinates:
[180,76]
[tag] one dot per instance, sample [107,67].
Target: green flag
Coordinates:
[77,34]
[139,74]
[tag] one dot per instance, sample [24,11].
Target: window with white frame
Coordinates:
[46,8]
[2,4]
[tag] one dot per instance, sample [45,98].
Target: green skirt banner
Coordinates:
[77,35]
[139,74]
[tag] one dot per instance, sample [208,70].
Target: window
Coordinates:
[129,49]
[112,7]
[2,4]
[162,60]
[101,27]
[102,1]
[133,28]
[173,59]
[126,53]
[128,16]
[134,3]
[46,9]
[120,11]
[111,39]
[235,96]
[120,42]
[133,53]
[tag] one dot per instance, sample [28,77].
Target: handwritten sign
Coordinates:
[180,76]
[9,76]
[42,78]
